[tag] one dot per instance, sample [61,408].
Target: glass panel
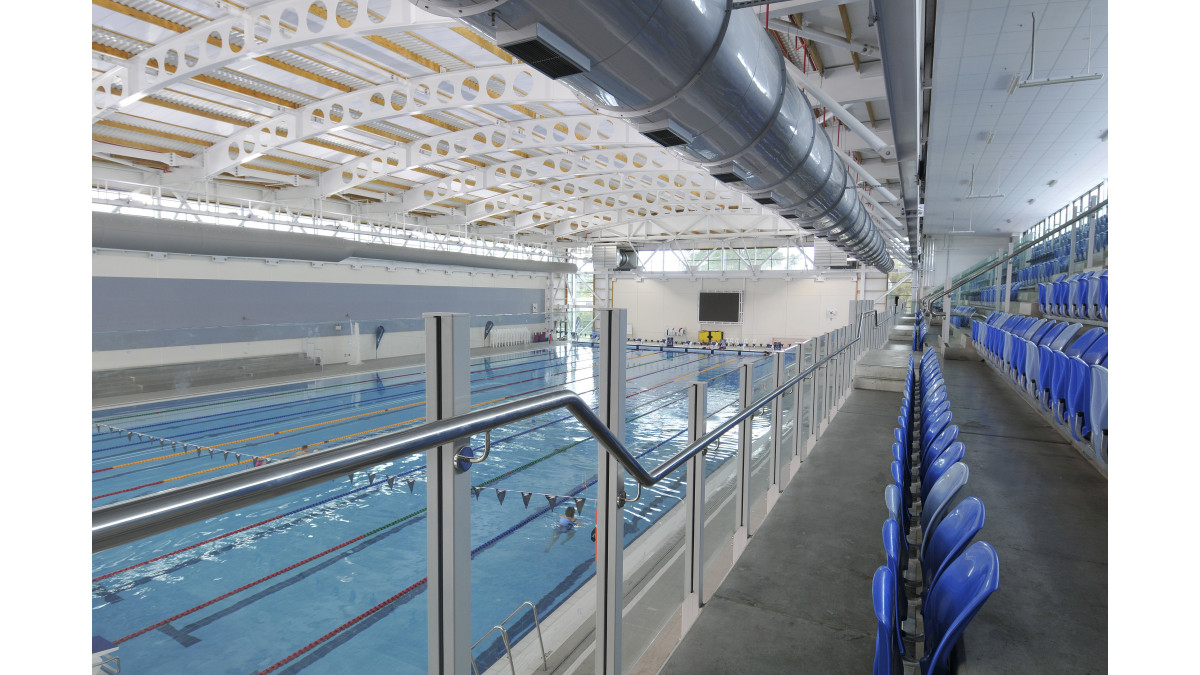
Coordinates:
[720,509]
[346,559]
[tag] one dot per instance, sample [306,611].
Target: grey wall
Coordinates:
[168,312]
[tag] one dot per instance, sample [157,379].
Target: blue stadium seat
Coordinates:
[953,601]
[939,465]
[1076,403]
[937,505]
[883,596]
[1098,410]
[937,447]
[894,549]
[1054,385]
[952,536]
[935,427]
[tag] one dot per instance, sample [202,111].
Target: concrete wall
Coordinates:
[772,308]
[158,309]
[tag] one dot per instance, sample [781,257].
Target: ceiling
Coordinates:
[375,111]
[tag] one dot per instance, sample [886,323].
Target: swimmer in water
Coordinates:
[566,523]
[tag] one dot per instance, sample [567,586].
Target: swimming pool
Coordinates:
[332,578]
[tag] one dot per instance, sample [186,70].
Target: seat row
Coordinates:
[933,583]
[920,331]
[1082,296]
[960,315]
[1057,365]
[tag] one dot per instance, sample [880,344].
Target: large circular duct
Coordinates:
[701,78]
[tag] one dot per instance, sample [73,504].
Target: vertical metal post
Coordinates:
[1008,286]
[1093,222]
[447,394]
[745,435]
[693,578]
[1071,250]
[610,522]
[819,387]
[776,434]
[802,451]
[793,452]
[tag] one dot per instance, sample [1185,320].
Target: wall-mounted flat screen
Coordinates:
[720,307]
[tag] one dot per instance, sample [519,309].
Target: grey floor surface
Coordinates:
[799,599]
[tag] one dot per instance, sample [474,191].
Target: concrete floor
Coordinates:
[799,599]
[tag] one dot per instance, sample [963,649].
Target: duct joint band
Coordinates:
[659,105]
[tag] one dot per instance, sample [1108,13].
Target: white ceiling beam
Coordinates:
[432,93]
[541,133]
[188,54]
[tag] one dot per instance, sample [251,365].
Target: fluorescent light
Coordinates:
[1062,80]
[1012,86]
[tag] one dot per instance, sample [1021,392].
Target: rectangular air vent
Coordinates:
[730,177]
[542,57]
[544,51]
[765,200]
[665,137]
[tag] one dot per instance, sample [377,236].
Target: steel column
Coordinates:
[776,433]
[693,581]
[610,522]
[745,434]
[1008,284]
[448,394]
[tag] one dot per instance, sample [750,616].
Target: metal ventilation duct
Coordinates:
[701,73]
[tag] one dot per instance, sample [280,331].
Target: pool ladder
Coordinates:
[508,647]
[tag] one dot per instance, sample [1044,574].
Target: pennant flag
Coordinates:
[410,482]
[579,504]
[350,478]
[525,498]
[476,490]
[391,481]
[226,453]
[500,495]
[130,436]
[370,479]
[236,454]
[553,500]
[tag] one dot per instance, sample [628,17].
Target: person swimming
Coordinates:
[566,524]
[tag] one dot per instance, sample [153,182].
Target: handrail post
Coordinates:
[776,434]
[693,581]
[1008,284]
[741,534]
[610,523]
[448,394]
[793,449]
[802,433]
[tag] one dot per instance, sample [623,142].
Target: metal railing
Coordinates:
[125,522]
[507,646]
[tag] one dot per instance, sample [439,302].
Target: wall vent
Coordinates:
[765,200]
[730,177]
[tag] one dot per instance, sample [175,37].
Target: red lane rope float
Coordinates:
[367,414]
[268,577]
[308,647]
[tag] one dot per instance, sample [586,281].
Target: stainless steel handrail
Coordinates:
[1017,250]
[128,521]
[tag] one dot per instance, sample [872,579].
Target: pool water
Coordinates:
[331,578]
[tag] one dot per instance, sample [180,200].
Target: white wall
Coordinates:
[773,308]
[955,253]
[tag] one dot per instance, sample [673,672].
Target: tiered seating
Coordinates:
[920,330]
[1055,364]
[933,583]
[1081,296]
[960,315]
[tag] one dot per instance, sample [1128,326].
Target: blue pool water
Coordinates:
[331,579]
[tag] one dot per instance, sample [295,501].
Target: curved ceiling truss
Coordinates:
[397,115]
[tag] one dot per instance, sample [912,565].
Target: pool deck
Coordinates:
[799,598]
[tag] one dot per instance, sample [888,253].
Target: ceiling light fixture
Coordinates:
[1012,86]
[1030,82]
